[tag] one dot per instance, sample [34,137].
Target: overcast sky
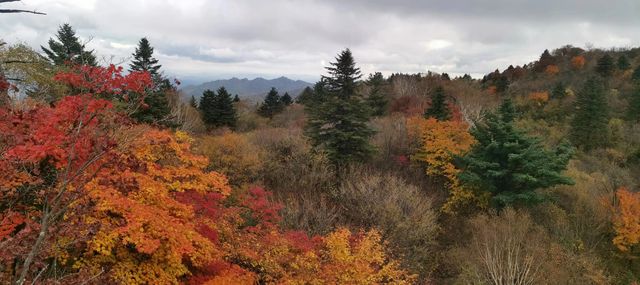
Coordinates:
[213,39]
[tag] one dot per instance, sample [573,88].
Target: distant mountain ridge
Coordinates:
[251,89]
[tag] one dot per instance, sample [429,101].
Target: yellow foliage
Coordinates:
[233,155]
[440,142]
[552,69]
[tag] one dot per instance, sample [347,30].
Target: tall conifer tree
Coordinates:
[510,165]
[338,120]
[589,128]
[68,49]
[271,105]
[438,108]
[377,100]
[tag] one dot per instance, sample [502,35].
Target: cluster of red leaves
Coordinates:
[48,153]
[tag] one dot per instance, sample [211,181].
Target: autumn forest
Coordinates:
[112,175]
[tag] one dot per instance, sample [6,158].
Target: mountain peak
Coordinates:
[249,88]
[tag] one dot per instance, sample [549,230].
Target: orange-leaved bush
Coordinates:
[626,220]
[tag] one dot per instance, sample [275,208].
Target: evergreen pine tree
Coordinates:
[502,84]
[559,91]
[271,105]
[193,102]
[236,99]
[68,49]
[305,96]
[438,108]
[623,62]
[207,108]
[636,74]
[226,111]
[605,66]
[509,164]
[156,100]
[377,100]
[633,111]
[286,99]
[338,120]
[143,59]
[589,126]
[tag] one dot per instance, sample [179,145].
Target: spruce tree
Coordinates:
[236,98]
[193,102]
[636,74]
[623,62]
[156,100]
[377,99]
[143,59]
[510,165]
[271,105]
[338,119]
[589,126]
[605,66]
[68,49]
[633,111]
[286,99]
[559,91]
[226,111]
[438,108]
[207,108]
[305,96]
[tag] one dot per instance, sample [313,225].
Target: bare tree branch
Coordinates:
[7,11]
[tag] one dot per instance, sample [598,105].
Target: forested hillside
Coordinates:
[526,176]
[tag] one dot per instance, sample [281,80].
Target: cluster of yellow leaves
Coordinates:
[540,98]
[233,155]
[440,142]
[144,235]
[552,69]
[626,220]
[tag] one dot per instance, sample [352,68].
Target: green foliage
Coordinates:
[306,96]
[589,126]
[636,74]
[217,109]
[193,103]
[338,119]
[605,66]
[377,99]
[156,106]
[286,99]
[509,164]
[68,49]
[633,111]
[236,99]
[623,62]
[438,108]
[143,59]
[271,105]
[559,91]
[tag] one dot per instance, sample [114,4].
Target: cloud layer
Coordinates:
[212,39]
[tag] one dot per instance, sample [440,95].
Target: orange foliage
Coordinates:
[626,220]
[440,142]
[492,90]
[552,69]
[540,98]
[143,235]
[577,62]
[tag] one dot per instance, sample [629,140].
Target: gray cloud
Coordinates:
[217,39]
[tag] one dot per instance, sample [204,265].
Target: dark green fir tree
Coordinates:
[559,91]
[67,49]
[236,98]
[193,103]
[305,96]
[589,128]
[338,119]
[605,66]
[226,111]
[508,164]
[438,108]
[156,102]
[286,99]
[207,108]
[633,111]
[143,59]
[377,99]
[271,105]
[623,62]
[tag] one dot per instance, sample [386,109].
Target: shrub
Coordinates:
[233,155]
